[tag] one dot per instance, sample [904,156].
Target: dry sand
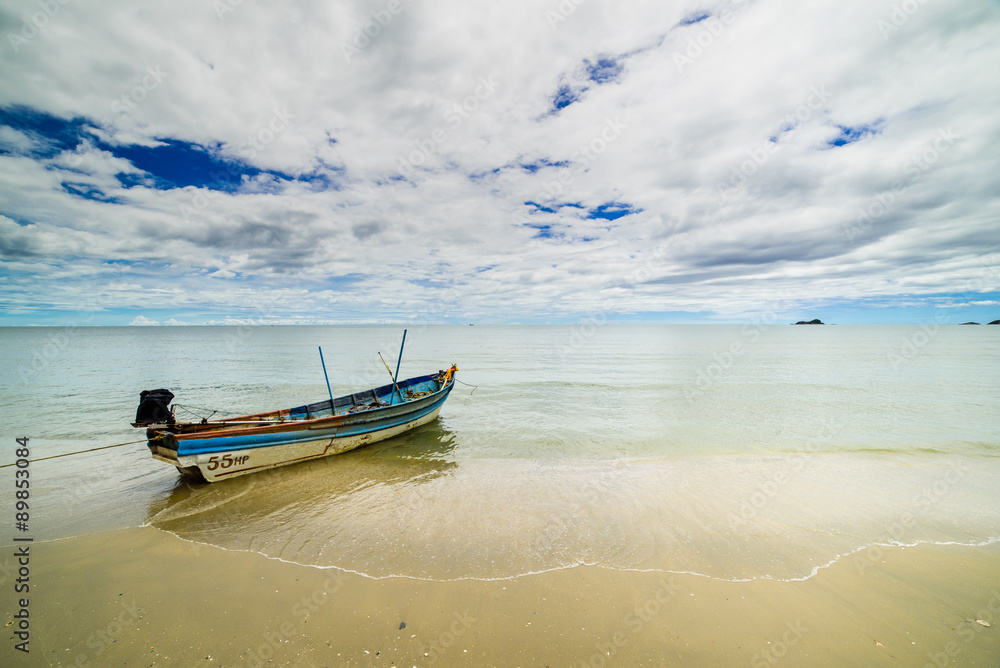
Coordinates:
[142,597]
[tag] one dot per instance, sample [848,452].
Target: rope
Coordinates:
[187,409]
[474,387]
[103,447]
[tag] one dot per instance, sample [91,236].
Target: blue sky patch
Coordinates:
[787,127]
[603,70]
[533,167]
[132,180]
[87,191]
[178,164]
[343,281]
[539,207]
[23,222]
[320,181]
[52,134]
[565,96]
[600,71]
[691,20]
[544,231]
[553,207]
[612,211]
[174,163]
[849,135]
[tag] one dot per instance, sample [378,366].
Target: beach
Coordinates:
[689,496]
[142,597]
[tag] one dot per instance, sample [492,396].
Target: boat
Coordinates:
[213,450]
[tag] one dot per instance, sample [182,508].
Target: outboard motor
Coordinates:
[153,408]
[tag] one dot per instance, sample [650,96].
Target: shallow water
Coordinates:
[737,452]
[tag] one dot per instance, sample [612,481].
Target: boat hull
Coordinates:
[215,466]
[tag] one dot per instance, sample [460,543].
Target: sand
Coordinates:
[142,597]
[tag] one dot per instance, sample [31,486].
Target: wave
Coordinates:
[812,572]
[730,518]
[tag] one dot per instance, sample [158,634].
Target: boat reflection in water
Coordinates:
[319,512]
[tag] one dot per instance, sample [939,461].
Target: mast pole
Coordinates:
[398,362]
[328,390]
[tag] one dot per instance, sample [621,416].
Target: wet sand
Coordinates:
[142,597]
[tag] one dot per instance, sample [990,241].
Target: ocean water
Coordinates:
[735,452]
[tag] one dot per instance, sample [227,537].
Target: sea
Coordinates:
[736,452]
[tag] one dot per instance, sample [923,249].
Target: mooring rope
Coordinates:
[103,447]
[187,409]
[474,387]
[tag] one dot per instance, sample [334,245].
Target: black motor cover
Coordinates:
[153,407]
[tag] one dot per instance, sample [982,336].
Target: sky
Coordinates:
[552,161]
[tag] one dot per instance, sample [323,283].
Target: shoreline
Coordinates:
[144,595]
[814,571]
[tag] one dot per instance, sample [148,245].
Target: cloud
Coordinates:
[16,142]
[489,162]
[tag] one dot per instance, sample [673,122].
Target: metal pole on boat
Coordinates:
[329,391]
[389,371]
[398,362]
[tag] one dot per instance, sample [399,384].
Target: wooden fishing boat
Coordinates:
[226,448]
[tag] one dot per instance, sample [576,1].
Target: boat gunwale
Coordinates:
[224,428]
